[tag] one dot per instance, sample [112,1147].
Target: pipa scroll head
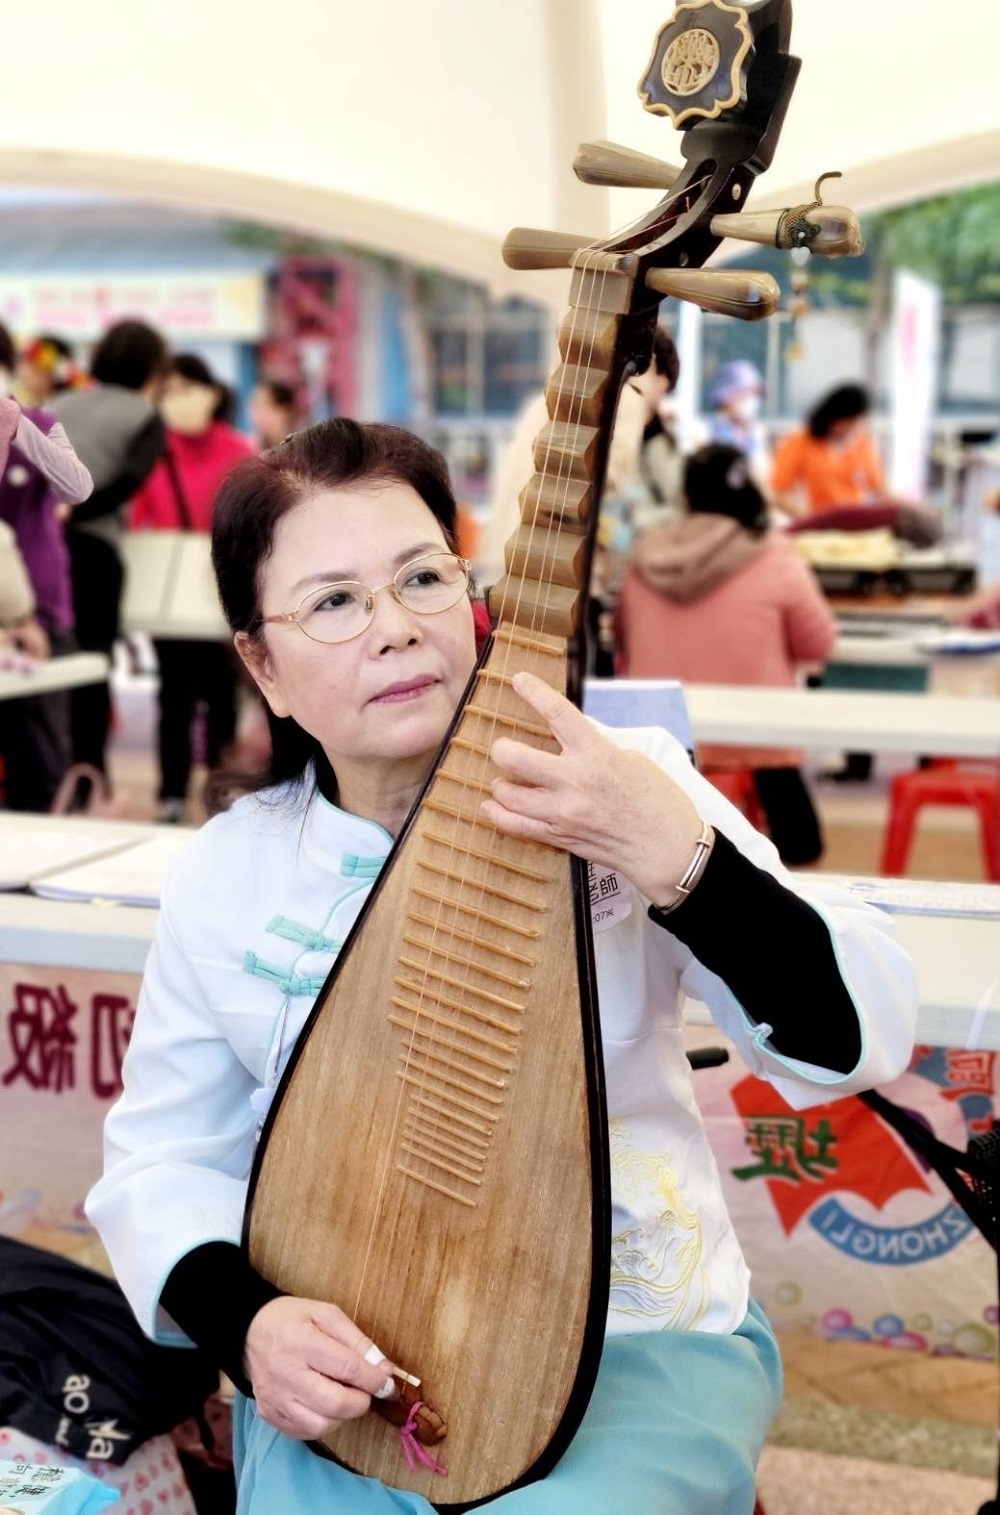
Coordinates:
[698,70]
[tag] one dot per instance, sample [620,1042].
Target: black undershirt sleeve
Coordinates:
[775,954]
[213,1294]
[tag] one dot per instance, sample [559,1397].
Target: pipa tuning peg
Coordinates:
[725,292]
[828,231]
[526,248]
[620,168]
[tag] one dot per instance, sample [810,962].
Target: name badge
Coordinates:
[610,897]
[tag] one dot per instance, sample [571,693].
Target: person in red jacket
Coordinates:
[202,446]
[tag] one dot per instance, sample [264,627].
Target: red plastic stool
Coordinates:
[946,782]
[737,784]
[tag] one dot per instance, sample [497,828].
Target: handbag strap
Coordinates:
[176,485]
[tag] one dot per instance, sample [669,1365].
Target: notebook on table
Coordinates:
[133,876]
[32,846]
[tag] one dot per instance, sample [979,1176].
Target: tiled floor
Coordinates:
[795,1482]
[907,1385]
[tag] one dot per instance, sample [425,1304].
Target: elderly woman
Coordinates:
[362,683]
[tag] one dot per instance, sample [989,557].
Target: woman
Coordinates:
[718,598]
[361,687]
[737,402]
[832,461]
[118,435]
[201,448]
[45,367]
[40,476]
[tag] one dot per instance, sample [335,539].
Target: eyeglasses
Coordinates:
[339,612]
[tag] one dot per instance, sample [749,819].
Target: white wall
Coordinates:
[414,126]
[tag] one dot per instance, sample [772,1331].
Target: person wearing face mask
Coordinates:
[202,446]
[118,435]
[737,402]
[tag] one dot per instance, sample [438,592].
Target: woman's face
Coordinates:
[36,384]
[845,431]
[187,406]
[382,701]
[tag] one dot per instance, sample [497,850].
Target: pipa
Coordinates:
[435,1160]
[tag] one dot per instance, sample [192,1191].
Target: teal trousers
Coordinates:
[675,1427]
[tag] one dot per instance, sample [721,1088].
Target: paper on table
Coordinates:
[639,702]
[902,896]
[31,847]
[131,877]
[960,641]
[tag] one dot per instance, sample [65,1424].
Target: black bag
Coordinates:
[75,1369]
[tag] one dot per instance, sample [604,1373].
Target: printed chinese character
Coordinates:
[785,1149]
[41,1037]
[592,883]
[609,884]
[111,1018]
[970,1073]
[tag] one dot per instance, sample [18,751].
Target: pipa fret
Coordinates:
[509,1048]
[460,960]
[502,950]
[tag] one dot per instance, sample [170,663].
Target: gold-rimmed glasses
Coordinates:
[433,582]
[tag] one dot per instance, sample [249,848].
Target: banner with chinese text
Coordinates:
[848,1234]
[63,1034]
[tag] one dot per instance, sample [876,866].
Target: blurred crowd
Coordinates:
[138,439]
[698,575]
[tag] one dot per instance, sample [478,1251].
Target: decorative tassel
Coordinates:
[412,1450]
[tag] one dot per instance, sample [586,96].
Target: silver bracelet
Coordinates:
[694,870]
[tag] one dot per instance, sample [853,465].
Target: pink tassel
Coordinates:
[412,1449]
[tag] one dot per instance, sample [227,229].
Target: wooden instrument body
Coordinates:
[455,1092]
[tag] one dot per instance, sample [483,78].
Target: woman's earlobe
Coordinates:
[249,653]
[253,654]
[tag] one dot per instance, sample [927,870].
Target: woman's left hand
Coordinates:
[608,804]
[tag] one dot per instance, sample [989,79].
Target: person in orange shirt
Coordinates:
[832,460]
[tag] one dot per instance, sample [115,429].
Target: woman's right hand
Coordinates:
[306,1362]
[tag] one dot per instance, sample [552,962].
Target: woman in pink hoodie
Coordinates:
[718,598]
[179,495]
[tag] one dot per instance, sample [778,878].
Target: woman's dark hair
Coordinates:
[281,393]
[848,403]
[665,357]
[60,344]
[129,354]
[717,482]
[194,368]
[53,355]
[8,353]
[259,491]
